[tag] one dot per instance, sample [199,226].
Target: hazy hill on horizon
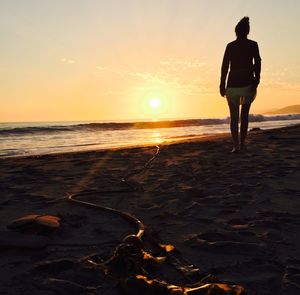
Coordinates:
[293,109]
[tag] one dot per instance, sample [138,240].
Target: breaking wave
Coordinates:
[94,127]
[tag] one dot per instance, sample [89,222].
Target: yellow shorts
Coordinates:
[240,95]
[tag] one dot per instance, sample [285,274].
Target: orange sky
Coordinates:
[106,60]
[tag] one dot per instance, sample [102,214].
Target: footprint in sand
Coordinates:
[291,277]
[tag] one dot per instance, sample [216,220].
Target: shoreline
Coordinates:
[88,141]
[177,140]
[181,139]
[236,216]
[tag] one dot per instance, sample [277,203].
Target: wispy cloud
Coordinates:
[183,64]
[281,79]
[67,60]
[100,68]
[189,77]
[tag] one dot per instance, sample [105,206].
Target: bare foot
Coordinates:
[235,150]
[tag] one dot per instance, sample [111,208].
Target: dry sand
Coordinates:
[236,216]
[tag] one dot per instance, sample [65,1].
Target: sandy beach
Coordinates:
[235,216]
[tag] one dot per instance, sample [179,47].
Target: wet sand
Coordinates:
[236,216]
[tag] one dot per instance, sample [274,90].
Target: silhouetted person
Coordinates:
[243,57]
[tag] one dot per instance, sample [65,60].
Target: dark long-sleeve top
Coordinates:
[242,55]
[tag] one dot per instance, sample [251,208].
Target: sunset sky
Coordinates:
[138,59]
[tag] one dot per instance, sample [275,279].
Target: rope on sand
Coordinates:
[140,226]
[130,218]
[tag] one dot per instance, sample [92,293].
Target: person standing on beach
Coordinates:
[244,76]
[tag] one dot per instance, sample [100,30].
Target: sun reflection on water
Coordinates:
[157,137]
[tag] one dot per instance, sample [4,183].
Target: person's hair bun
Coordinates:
[242,28]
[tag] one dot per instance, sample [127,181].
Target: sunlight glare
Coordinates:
[157,137]
[155,102]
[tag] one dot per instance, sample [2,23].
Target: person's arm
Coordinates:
[257,65]
[224,71]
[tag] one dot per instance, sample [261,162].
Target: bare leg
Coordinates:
[234,125]
[244,122]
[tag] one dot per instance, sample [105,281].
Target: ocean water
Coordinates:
[39,138]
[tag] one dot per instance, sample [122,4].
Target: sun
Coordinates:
[154,105]
[155,102]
